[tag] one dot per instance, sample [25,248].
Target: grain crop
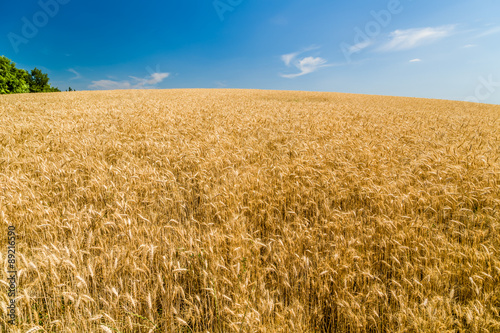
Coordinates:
[250,211]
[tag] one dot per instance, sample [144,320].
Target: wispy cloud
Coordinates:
[491,31]
[220,84]
[110,84]
[416,60]
[360,46]
[137,83]
[305,65]
[468,46]
[411,38]
[153,79]
[77,75]
[287,58]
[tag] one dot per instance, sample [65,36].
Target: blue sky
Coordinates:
[435,49]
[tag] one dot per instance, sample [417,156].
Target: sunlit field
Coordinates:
[250,211]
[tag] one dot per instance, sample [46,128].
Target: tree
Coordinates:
[39,82]
[12,79]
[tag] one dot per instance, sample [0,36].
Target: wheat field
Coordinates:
[250,211]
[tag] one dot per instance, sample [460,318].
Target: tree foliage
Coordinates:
[39,82]
[14,80]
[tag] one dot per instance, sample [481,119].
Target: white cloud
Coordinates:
[360,46]
[416,60]
[109,84]
[305,65]
[468,46]
[220,84]
[157,78]
[139,83]
[153,79]
[77,75]
[411,38]
[491,31]
[287,58]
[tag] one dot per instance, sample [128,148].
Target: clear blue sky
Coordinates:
[446,49]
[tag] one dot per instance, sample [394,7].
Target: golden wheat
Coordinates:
[250,211]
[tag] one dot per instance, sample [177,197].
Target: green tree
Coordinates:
[39,82]
[12,79]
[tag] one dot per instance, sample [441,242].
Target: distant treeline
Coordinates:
[15,81]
